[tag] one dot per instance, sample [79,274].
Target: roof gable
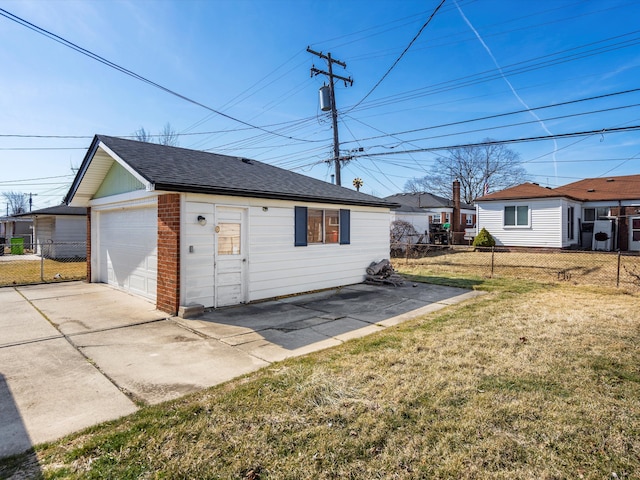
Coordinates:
[118,180]
[160,167]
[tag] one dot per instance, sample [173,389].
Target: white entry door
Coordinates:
[634,234]
[230,256]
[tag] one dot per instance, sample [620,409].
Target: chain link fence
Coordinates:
[617,269]
[24,263]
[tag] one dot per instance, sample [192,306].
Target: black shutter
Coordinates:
[300,226]
[345,227]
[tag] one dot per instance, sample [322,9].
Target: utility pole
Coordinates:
[31,195]
[332,95]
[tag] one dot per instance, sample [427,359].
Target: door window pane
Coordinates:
[229,239]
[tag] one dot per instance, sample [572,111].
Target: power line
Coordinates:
[517,68]
[399,58]
[504,142]
[499,115]
[130,73]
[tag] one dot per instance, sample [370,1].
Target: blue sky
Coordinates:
[248,60]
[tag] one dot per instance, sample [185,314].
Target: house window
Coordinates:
[516,216]
[434,218]
[321,226]
[592,214]
[635,229]
[570,223]
[469,220]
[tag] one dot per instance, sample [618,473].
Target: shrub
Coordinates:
[484,239]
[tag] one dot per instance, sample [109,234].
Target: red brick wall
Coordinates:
[88,245]
[168,290]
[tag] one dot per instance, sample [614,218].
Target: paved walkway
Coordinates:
[75,354]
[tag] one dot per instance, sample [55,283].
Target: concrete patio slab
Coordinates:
[51,390]
[161,361]
[19,324]
[108,308]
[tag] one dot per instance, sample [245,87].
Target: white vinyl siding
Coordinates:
[276,266]
[420,221]
[61,236]
[545,229]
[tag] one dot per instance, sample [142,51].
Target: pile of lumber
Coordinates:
[382,273]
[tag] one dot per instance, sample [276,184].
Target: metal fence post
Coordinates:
[618,274]
[41,267]
[492,253]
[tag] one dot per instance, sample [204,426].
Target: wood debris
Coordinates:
[382,273]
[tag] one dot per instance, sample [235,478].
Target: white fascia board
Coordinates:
[135,198]
[149,187]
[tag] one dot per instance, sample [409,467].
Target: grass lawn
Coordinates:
[586,268]
[531,381]
[23,272]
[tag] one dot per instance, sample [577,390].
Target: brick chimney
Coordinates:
[455,220]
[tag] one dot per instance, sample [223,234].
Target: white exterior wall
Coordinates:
[577,214]
[420,221]
[545,223]
[70,236]
[44,228]
[275,266]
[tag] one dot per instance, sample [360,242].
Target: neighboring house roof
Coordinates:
[606,188]
[181,170]
[587,190]
[524,190]
[417,202]
[56,210]
[14,218]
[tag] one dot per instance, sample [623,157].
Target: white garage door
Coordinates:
[127,249]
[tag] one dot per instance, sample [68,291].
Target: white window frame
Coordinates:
[516,224]
[323,226]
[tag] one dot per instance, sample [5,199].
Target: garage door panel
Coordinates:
[128,250]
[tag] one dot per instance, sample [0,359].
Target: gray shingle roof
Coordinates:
[183,170]
[56,210]
[422,200]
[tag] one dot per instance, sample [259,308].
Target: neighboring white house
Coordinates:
[13,226]
[185,227]
[595,213]
[59,232]
[428,212]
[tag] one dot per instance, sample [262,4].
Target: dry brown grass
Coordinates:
[586,268]
[23,272]
[527,382]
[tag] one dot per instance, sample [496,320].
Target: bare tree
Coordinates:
[478,168]
[143,136]
[18,202]
[168,136]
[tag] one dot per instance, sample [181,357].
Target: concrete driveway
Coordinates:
[75,354]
